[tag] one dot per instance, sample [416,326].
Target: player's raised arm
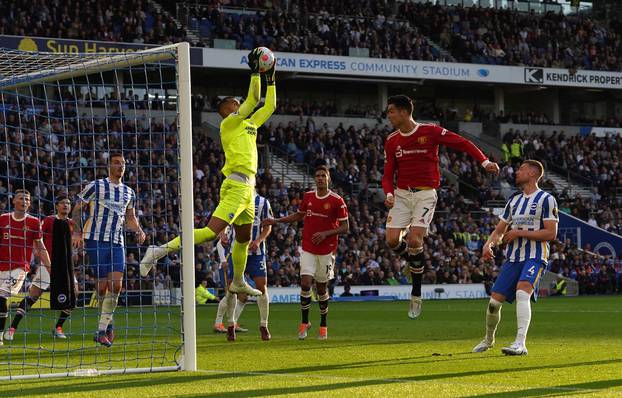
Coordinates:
[254,89]
[458,142]
[262,114]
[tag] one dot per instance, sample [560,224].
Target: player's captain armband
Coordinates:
[485,163]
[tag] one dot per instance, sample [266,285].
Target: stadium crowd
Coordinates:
[388,29]
[401,30]
[356,164]
[48,155]
[595,159]
[104,20]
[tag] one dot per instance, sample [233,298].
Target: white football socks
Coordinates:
[231,304]
[523,315]
[264,309]
[222,307]
[109,304]
[493,316]
[238,311]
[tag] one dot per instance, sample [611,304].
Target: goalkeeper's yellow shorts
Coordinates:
[237,203]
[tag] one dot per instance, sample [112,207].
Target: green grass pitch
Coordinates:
[374,350]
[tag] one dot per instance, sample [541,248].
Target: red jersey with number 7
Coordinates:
[17,238]
[321,214]
[414,156]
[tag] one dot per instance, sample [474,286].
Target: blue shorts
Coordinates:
[255,268]
[514,272]
[105,257]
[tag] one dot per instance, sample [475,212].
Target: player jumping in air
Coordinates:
[325,217]
[41,280]
[411,152]
[532,217]
[238,133]
[21,233]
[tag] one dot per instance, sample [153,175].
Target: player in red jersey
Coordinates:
[21,232]
[41,279]
[325,216]
[411,152]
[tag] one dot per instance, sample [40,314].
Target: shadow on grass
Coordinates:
[119,383]
[553,391]
[561,390]
[108,384]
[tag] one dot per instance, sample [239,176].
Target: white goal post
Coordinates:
[20,70]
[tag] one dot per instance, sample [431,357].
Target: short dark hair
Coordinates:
[60,197]
[323,168]
[116,154]
[536,164]
[22,191]
[223,101]
[402,102]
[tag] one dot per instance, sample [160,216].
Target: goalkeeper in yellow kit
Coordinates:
[238,132]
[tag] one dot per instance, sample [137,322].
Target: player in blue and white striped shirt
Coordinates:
[110,207]
[255,268]
[529,221]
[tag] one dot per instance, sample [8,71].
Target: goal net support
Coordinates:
[61,117]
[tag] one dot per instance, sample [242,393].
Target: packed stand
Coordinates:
[56,152]
[452,248]
[105,20]
[401,30]
[598,160]
[594,274]
[328,28]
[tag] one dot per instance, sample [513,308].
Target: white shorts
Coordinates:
[320,267]
[41,278]
[11,282]
[412,209]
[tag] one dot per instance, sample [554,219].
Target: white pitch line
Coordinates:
[507,387]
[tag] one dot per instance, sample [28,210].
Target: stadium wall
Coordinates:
[583,234]
[399,292]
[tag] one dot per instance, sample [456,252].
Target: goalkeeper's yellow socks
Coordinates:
[201,235]
[239,254]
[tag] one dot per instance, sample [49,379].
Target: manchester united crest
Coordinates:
[422,140]
[326,206]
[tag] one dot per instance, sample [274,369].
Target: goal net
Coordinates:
[62,116]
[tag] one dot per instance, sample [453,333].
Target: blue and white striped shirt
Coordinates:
[263,210]
[528,212]
[108,203]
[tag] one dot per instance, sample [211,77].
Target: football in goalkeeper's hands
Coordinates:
[266,59]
